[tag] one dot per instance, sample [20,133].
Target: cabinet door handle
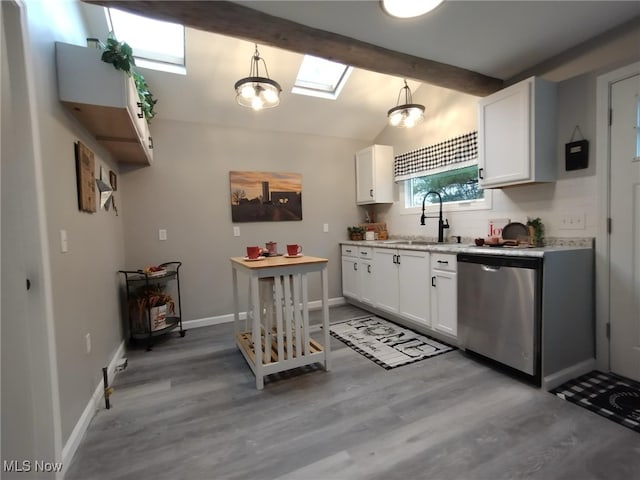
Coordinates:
[443,261]
[141,112]
[348,251]
[368,268]
[151,142]
[355,267]
[371,192]
[480,172]
[28,284]
[398,259]
[433,281]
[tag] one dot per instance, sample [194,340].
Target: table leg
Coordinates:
[325,319]
[236,302]
[255,331]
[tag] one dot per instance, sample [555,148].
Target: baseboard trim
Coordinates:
[558,378]
[72,443]
[228,318]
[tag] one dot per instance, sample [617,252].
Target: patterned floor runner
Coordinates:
[606,394]
[386,343]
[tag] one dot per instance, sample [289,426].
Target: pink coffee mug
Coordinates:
[253,252]
[294,249]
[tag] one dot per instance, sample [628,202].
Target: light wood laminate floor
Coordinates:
[190,410]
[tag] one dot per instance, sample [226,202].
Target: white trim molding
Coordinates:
[73,442]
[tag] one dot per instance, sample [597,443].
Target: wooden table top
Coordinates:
[279,261]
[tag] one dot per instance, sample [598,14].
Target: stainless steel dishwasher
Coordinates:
[499,305]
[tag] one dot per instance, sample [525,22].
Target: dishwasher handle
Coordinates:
[490,268]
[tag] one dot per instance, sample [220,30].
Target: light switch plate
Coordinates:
[236,231]
[64,244]
[162,234]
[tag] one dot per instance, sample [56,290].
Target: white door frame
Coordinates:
[603,170]
[41,327]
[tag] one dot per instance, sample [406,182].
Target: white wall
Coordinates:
[186,191]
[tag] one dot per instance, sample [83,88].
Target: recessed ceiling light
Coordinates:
[408,8]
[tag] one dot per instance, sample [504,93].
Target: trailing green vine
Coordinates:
[120,55]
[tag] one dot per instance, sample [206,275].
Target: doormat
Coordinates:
[606,394]
[386,343]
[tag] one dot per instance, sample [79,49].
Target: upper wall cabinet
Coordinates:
[517,135]
[106,102]
[374,175]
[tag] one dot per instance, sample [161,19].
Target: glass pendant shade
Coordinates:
[255,91]
[408,114]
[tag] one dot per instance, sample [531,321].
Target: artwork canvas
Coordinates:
[85,174]
[265,196]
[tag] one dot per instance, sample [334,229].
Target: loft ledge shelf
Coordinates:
[105,101]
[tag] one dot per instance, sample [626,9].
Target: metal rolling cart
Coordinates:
[152,308]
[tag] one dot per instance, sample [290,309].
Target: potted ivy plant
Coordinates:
[120,55]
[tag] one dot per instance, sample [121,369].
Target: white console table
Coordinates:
[276,334]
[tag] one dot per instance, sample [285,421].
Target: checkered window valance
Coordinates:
[440,156]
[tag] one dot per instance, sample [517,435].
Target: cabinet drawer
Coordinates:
[365,252]
[444,261]
[350,250]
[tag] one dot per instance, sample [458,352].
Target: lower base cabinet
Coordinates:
[414,285]
[444,293]
[400,283]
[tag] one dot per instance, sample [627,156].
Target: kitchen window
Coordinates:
[449,168]
[457,186]
[156,45]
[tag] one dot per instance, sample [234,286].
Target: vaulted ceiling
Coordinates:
[468,46]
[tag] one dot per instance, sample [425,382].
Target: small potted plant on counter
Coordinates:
[536,231]
[356,232]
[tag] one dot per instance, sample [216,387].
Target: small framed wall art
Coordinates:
[86,178]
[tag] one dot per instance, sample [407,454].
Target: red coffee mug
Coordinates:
[253,252]
[293,249]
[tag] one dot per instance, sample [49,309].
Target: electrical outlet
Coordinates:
[236,231]
[162,234]
[325,228]
[573,221]
[87,343]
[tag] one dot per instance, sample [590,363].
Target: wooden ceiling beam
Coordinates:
[230,19]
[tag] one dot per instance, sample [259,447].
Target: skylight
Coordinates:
[157,45]
[318,77]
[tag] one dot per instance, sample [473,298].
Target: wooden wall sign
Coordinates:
[86,178]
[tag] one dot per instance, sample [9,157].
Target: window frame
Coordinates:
[486,203]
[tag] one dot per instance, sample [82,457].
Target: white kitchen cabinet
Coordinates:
[517,135]
[444,293]
[105,101]
[374,175]
[357,273]
[401,283]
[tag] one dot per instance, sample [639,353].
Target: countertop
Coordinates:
[455,248]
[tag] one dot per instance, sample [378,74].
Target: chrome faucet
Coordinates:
[442,224]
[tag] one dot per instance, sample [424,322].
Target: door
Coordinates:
[624,267]
[365,176]
[366,282]
[30,407]
[505,159]
[350,287]
[444,301]
[385,264]
[414,285]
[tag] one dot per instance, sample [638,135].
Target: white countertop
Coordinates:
[455,248]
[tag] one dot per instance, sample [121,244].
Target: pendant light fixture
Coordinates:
[255,91]
[408,114]
[408,8]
